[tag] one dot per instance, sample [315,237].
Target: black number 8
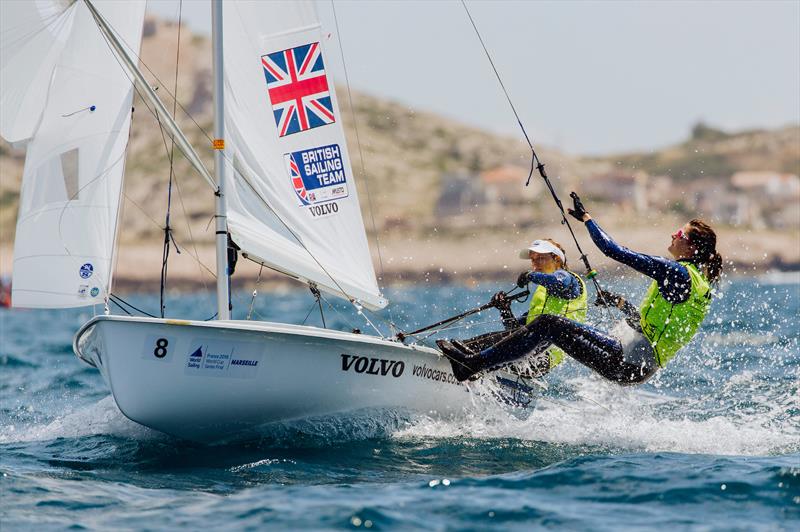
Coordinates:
[161,348]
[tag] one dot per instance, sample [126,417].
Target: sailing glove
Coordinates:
[578,211]
[609,299]
[522,280]
[500,300]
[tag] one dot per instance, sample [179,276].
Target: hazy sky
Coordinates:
[587,77]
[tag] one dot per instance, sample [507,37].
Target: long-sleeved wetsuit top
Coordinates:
[560,283]
[672,277]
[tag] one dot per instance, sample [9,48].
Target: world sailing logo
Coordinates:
[298,89]
[317,175]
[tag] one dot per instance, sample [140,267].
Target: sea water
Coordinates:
[712,442]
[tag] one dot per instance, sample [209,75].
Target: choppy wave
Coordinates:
[714,439]
[629,420]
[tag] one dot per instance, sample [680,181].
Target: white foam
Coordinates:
[625,418]
[102,417]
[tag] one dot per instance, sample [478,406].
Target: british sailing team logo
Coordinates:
[317,175]
[298,89]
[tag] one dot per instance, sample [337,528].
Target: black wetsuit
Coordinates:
[626,361]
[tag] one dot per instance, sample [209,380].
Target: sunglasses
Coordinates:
[680,234]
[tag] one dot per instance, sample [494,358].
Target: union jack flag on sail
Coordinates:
[298,89]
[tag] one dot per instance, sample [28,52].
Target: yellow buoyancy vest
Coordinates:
[670,326]
[544,303]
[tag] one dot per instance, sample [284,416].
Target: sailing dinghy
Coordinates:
[285,195]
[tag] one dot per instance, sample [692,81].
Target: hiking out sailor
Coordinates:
[556,290]
[673,308]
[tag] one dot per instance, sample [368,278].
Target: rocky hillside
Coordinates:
[405,153]
[713,152]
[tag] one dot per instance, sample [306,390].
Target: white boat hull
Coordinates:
[211,380]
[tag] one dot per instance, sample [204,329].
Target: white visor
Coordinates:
[542,246]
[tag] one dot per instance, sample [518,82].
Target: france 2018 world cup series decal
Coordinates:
[317,174]
[298,89]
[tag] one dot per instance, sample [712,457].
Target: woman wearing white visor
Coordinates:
[556,291]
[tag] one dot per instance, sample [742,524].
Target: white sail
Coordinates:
[292,200]
[32,35]
[74,166]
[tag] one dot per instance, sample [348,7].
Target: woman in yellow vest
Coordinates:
[556,290]
[669,316]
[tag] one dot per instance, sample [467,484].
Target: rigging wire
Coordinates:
[310,310]
[361,157]
[196,257]
[536,163]
[117,300]
[255,293]
[192,240]
[171,155]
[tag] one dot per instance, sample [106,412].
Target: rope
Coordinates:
[537,163]
[171,156]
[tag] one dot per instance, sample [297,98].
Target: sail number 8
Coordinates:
[157,347]
[161,348]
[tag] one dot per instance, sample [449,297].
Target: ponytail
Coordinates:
[713,268]
[704,240]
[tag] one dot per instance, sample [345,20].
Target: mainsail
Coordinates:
[292,199]
[74,164]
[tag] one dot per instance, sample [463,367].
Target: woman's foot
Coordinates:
[463,361]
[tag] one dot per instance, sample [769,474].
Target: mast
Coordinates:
[223,286]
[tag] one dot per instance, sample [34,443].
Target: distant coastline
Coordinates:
[463,258]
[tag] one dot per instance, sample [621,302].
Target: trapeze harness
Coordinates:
[670,317]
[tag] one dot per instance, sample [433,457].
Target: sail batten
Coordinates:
[292,198]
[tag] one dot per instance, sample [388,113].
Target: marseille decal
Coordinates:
[212,357]
[318,178]
[298,89]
